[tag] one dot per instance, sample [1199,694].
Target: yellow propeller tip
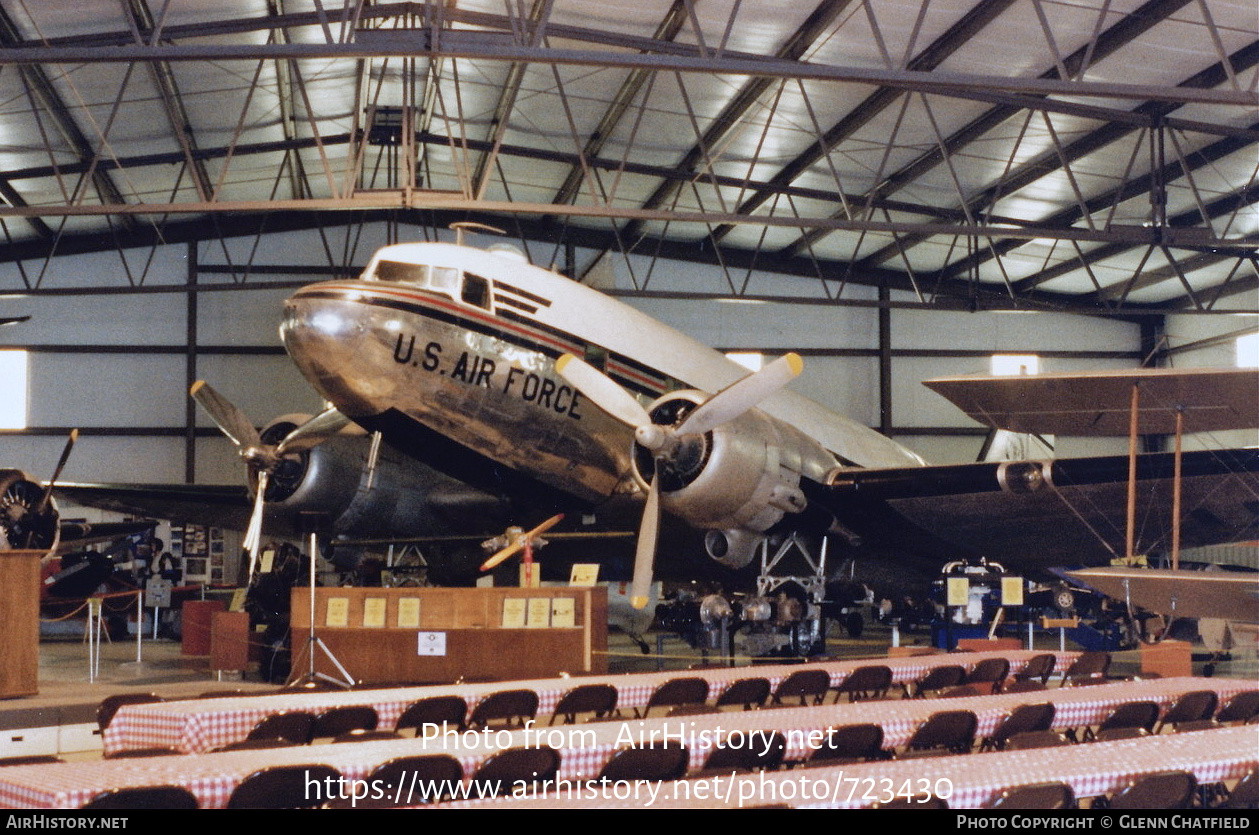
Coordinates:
[638,602]
[795,363]
[564,360]
[196,387]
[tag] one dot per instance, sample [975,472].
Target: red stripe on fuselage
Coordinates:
[440,302]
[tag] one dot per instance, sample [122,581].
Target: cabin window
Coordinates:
[398,271]
[444,279]
[597,357]
[476,290]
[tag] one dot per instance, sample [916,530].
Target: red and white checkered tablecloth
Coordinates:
[584,749]
[197,726]
[899,718]
[966,781]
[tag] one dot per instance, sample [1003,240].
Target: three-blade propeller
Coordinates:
[664,441]
[262,458]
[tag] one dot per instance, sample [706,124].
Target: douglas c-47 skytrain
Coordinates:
[514,379]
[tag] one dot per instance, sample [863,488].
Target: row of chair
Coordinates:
[812,686]
[288,786]
[867,682]
[1156,791]
[942,733]
[1031,725]
[1195,710]
[872,681]
[511,708]
[404,781]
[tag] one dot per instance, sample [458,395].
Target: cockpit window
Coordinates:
[476,290]
[445,280]
[398,271]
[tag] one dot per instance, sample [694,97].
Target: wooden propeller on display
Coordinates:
[521,541]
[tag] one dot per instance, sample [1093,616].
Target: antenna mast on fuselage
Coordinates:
[463,226]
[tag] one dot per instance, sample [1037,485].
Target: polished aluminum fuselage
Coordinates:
[481,371]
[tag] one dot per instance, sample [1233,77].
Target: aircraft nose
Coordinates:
[324,336]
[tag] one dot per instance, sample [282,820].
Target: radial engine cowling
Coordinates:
[22,524]
[339,486]
[738,480]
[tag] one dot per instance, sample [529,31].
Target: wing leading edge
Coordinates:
[1100,403]
[214,505]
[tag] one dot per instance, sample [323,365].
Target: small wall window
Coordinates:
[13,389]
[1248,351]
[751,360]
[1014,365]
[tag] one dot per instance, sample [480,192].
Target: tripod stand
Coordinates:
[314,642]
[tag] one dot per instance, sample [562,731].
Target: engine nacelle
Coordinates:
[339,485]
[738,480]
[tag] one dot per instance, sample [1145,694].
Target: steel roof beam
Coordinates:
[1217,208]
[174,158]
[237,224]
[458,44]
[1050,161]
[41,87]
[931,57]
[1202,158]
[532,27]
[953,294]
[619,106]
[816,26]
[172,102]
[1108,42]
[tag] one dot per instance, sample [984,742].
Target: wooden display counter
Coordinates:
[19,603]
[1167,658]
[386,635]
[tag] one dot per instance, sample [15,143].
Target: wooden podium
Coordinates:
[19,609]
[388,635]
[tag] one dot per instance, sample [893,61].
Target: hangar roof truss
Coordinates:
[1097,156]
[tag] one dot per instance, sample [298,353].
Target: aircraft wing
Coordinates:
[214,505]
[1044,513]
[1230,595]
[78,535]
[1100,403]
[1073,511]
